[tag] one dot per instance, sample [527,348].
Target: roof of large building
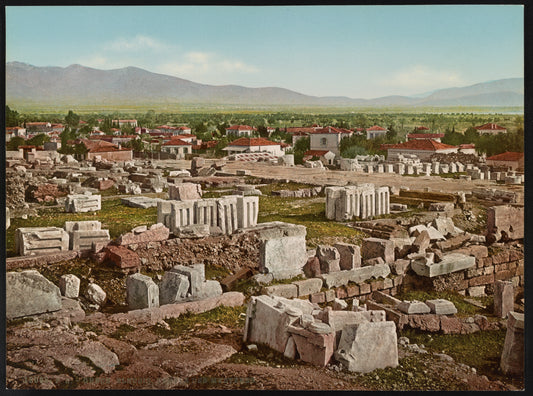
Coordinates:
[376,128]
[422,144]
[330,130]
[245,141]
[100,146]
[176,142]
[507,156]
[490,126]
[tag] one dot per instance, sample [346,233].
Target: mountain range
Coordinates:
[80,85]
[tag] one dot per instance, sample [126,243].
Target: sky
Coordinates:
[353,51]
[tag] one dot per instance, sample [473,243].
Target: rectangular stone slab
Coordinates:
[452,262]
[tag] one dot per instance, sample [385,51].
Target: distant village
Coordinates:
[244,143]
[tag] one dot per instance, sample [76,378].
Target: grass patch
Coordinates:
[413,373]
[481,349]
[264,356]
[121,331]
[287,281]
[114,216]
[452,175]
[309,212]
[227,316]
[463,307]
[215,272]
[267,190]
[18,321]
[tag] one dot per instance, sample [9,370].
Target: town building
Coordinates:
[490,129]
[121,123]
[178,147]
[240,130]
[375,132]
[12,132]
[423,149]
[328,138]
[254,145]
[420,136]
[106,150]
[509,159]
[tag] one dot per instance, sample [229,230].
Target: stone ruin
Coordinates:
[360,340]
[505,223]
[512,358]
[204,216]
[82,203]
[362,201]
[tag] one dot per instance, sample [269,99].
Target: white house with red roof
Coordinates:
[121,123]
[508,159]
[12,132]
[375,131]
[240,130]
[423,149]
[254,145]
[328,139]
[178,147]
[490,129]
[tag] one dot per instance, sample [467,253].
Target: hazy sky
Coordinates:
[354,51]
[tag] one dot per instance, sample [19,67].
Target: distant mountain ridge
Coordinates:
[82,85]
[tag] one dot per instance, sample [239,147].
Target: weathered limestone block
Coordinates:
[81,203]
[227,218]
[287,291]
[92,225]
[247,211]
[156,232]
[282,249]
[357,275]
[181,214]
[95,294]
[505,223]
[422,242]
[140,202]
[413,307]
[329,258]
[315,344]
[451,262]
[83,240]
[69,286]
[512,359]
[308,286]
[184,191]
[312,267]
[30,293]
[141,292]
[441,206]
[163,212]
[350,256]
[209,289]
[173,288]
[503,298]
[367,346]
[441,307]
[444,225]
[8,218]
[376,247]
[40,240]
[195,275]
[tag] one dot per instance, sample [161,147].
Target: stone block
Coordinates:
[341,292]
[247,211]
[312,267]
[82,203]
[444,225]
[229,282]
[282,248]
[122,257]
[383,298]
[31,241]
[318,298]
[373,261]
[315,344]
[287,291]
[505,223]
[350,256]
[400,267]
[308,286]
[69,286]
[330,295]
[210,289]
[413,307]
[441,206]
[195,274]
[352,290]
[84,240]
[95,294]
[92,225]
[512,359]
[367,346]
[156,232]
[441,307]
[141,202]
[476,291]
[422,242]
[329,259]
[141,292]
[503,298]
[357,275]
[375,247]
[173,288]
[184,191]
[30,293]
[451,262]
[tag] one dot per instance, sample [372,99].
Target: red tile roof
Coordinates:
[331,130]
[422,128]
[423,144]
[316,153]
[184,128]
[424,135]
[100,146]
[240,128]
[185,136]
[376,128]
[176,142]
[244,141]
[490,126]
[467,146]
[507,156]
